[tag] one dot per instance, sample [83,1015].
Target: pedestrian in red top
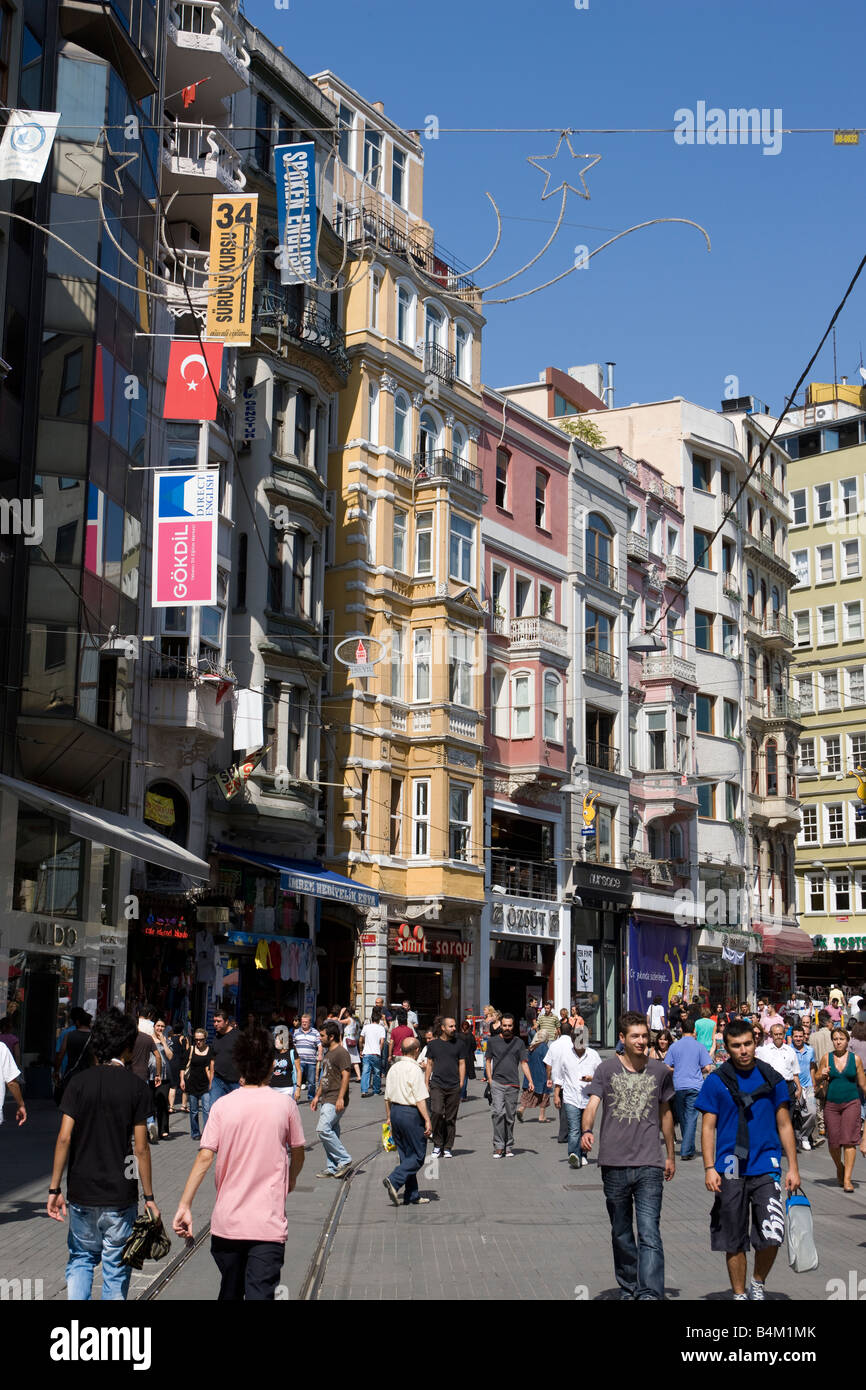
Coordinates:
[398,1034]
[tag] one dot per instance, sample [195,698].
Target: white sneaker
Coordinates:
[804,1144]
[756,1292]
[447,1154]
[574,1160]
[437,1153]
[741,1298]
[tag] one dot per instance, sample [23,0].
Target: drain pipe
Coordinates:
[609,388]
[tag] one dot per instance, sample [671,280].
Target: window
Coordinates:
[850,559]
[405,315]
[823,502]
[732,801]
[750,591]
[262,144]
[460,444]
[398,176]
[375,296]
[676,843]
[604,822]
[210,633]
[552,707]
[753,673]
[835,822]
[806,758]
[373,158]
[827,624]
[702,473]
[523,598]
[521,706]
[729,555]
[833,754]
[706,714]
[461,551]
[706,801]
[462,352]
[829,681]
[848,496]
[806,694]
[703,554]
[599,638]
[459,823]
[798,503]
[652,526]
[428,438]
[421,818]
[731,714]
[276,544]
[858,749]
[815,889]
[856,690]
[800,565]
[372,508]
[395,838]
[499,701]
[286,129]
[345,122]
[771,760]
[703,631]
[303,412]
[545,602]
[599,549]
[421,651]
[726,478]
[841,892]
[754,769]
[824,571]
[540,498]
[402,429]
[803,629]
[433,322]
[808,825]
[424,543]
[657,732]
[364,813]
[673,541]
[397,660]
[853,620]
[373,412]
[730,644]
[503,459]
[460,668]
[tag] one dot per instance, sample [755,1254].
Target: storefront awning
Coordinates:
[785,941]
[307,876]
[122,833]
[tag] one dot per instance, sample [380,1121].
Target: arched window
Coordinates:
[750,591]
[434,325]
[167,810]
[599,548]
[763,611]
[676,842]
[463,351]
[406,315]
[750,511]
[772,762]
[460,443]
[753,767]
[791,767]
[428,439]
[753,674]
[774,601]
[552,707]
[402,429]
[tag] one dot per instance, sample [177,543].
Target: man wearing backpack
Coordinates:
[746,1126]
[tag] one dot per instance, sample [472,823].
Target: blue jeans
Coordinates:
[98,1234]
[328,1130]
[371,1066]
[198,1103]
[639,1266]
[308,1077]
[573,1114]
[687,1118]
[407,1131]
[220,1088]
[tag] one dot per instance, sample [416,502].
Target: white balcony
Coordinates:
[186,283]
[181,704]
[205,42]
[636,546]
[202,156]
[665,666]
[464,725]
[537,632]
[676,568]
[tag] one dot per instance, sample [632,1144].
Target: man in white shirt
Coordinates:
[572,1073]
[782,1058]
[406,1097]
[9,1074]
[559,1047]
[373,1037]
[411,1016]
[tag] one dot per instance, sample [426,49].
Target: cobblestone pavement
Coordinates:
[530,1227]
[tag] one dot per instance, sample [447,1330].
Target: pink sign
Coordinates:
[185,517]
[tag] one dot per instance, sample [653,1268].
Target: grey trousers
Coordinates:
[504,1109]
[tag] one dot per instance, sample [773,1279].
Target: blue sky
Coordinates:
[787,229]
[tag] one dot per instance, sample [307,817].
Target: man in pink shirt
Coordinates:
[770,1016]
[251,1132]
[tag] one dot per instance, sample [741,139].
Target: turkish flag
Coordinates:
[194,371]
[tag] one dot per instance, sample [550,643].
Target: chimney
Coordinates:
[379,106]
[844,381]
[608,395]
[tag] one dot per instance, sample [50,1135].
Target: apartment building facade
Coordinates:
[408,741]
[826,444]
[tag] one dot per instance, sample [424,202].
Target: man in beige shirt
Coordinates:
[406,1097]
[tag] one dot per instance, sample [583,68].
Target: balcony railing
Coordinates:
[599,663]
[785,706]
[663,665]
[440,362]
[201,151]
[676,568]
[499,624]
[186,282]
[537,632]
[730,588]
[761,544]
[636,545]
[207,27]
[441,463]
[600,570]
[309,326]
[522,878]
[364,227]
[777,625]
[602,755]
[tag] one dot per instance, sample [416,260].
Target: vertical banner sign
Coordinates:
[26,144]
[232,269]
[250,415]
[295,167]
[657,957]
[185,517]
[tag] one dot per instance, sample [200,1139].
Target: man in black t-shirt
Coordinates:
[445,1071]
[506,1058]
[103,1109]
[226,1076]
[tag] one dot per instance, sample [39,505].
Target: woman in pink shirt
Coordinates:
[251,1132]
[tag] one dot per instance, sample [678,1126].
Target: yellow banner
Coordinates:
[159,810]
[232,269]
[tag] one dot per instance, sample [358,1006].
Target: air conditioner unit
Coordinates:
[823,412]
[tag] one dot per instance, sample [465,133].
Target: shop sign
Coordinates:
[171,928]
[583,968]
[369,938]
[601,883]
[212,916]
[839,943]
[53,934]
[525,921]
[418,943]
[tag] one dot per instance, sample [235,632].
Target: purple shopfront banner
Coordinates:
[657,956]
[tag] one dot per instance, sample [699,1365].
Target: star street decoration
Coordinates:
[537,160]
[117,187]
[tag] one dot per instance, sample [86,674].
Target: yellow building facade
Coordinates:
[404,747]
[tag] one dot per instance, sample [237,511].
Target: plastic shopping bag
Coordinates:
[802,1252]
[387,1141]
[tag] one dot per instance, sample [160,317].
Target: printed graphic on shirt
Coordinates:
[632,1095]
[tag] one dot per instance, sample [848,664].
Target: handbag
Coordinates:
[148,1241]
[387,1139]
[800,1235]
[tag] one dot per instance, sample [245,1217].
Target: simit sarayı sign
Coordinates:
[439,946]
[185,514]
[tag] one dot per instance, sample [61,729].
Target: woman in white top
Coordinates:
[655,1016]
[351,1029]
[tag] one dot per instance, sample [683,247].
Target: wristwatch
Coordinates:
[55,1191]
[148,1198]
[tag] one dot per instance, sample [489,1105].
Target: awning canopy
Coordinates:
[308,876]
[784,941]
[122,833]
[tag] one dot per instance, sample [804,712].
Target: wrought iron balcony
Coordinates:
[599,569]
[364,227]
[310,326]
[602,755]
[784,706]
[599,663]
[778,625]
[440,362]
[441,463]
[522,878]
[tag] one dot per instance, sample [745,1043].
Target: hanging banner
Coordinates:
[250,415]
[27,143]
[185,518]
[192,386]
[583,969]
[656,963]
[232,269]
[295,169]
[159,810]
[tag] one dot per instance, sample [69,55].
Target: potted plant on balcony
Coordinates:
[545,606]
[738,826]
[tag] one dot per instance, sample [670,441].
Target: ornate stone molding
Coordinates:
[388,383]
